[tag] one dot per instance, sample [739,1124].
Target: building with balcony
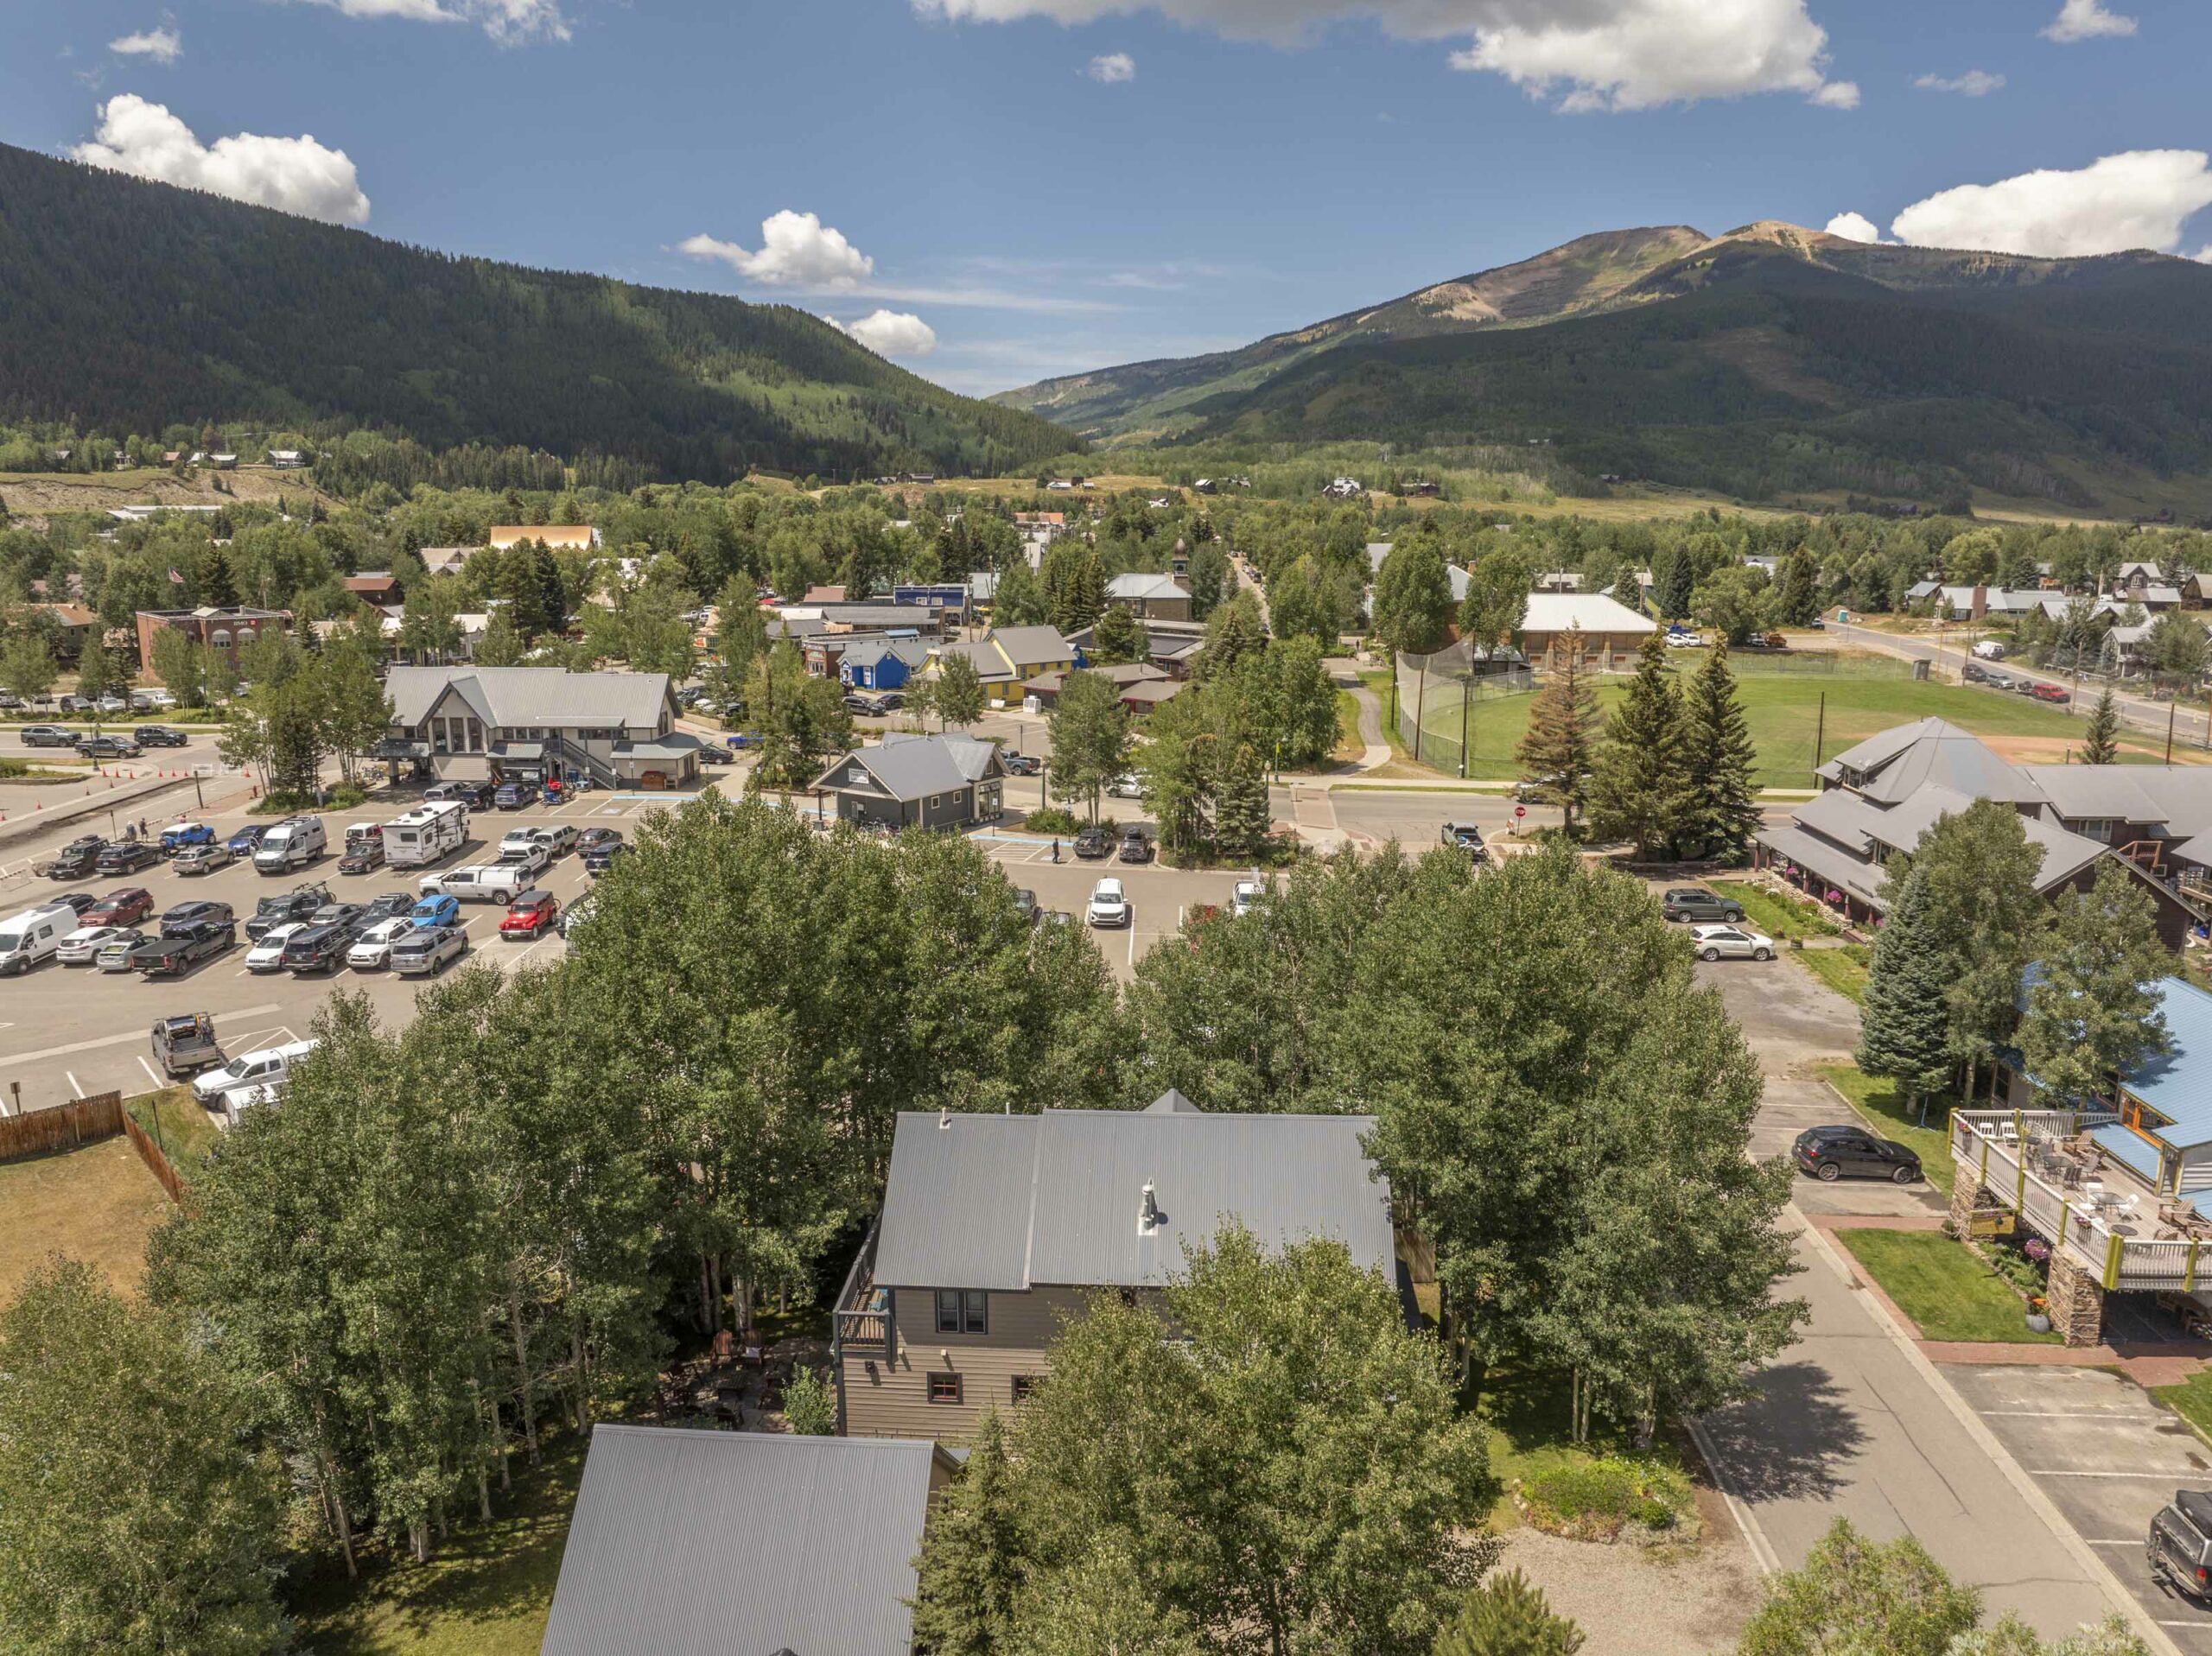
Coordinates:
[995,1228]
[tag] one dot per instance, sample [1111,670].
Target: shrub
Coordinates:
[1509,1616]
[1594,1500]
[810,1404]
[1052,819]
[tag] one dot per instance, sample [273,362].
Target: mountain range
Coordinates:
[1768,361]
[133,307]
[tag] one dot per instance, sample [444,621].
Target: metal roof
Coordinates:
[740,1544]
[1898,763]
[2177,1082]
[1856,875]
[915,767]
[523,697]
[1146,586]
[1015,1201]
[1030,647]
[1557,612]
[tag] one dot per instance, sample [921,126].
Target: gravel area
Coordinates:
[1634,1602]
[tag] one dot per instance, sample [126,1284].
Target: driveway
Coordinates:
[2107,1456]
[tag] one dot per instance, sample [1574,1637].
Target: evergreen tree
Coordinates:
[216,588]
[1639,788]
[1673,579]
[2101,738]
[1113,640]
[1242,822]
[1233,633]
[1561,740]
[1904,1027]
[1509,1616]
[2095,1011]
[971,1565]
[1020,600]
[1719,759]
[1801,601]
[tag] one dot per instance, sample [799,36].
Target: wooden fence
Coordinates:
[150,1153]
[69,1126]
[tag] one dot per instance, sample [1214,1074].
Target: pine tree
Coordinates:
[2101,741]
[1639,789]
[2095,1009]
[1801,600]
[1509,1616]
[1562,739]
[1904,1027]
[1722,811]
[1673,577]
[1241,818]
[971,1565]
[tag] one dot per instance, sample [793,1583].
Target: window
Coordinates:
[1023,1385]
[962,1310]
[945,1388]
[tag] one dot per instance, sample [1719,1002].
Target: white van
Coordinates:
[1990,649]
[270,1066]
[32,936]
[292,843]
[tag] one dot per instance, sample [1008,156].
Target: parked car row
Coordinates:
[106,744]
[1974,673]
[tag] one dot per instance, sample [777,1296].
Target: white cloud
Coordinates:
[2140,198]
[797,249]
[1974,83]
[1113,69]
[1854,227]
[2086,20]
[162,45]
[1617,54]
[295,174]
[510,22]
[891,334]
[2205,256]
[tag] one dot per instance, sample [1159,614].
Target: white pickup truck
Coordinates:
[479,883]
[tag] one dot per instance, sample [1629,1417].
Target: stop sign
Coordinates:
[1520,810]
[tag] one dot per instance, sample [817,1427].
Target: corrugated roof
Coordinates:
[966,1208]
[1841,816]
[2177,1083]
[1141,587]
[742,1543]
[1557,612]
[1030,647]
[973,759]
[526,696]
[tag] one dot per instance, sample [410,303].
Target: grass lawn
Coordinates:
[1883,1107]
[1780,918]
[486,1591]
[1351,747]
[2191,1400]
[1784,711]
[1943,1288]
[175,1122]
[1527,1415]
[97,1204]
[1843,969]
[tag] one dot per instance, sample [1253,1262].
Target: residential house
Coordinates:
[2142,583]
[690,1543]
[1376,552]
[486,723]
[1125,677]
[1607,633]
[1147,597]
[553,537]
[224,462]
[881,664]
[949,598]
[227,629]
[1172,646]
[923,782]
[996,1227]
[1560,580]
[66,626]
[1880,796]
[1975,603]
[445,560]
[377,586]
[1007,657]
[287,460]
[1344,488]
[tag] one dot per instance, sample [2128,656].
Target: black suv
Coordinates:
[158,736]
[1831,1153]
[1687,902]
[474,795]
[106,747]
[184,916]
[128,856]
[296,905]
[318,948]
[348,917]
[1137,846]
[77,859]
[174,953]
[1093,843]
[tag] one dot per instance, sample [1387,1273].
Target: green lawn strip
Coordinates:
[1778,916]
[1946,1290]
[1527,1416]
[1843,969]
[1351,747]
[485,1592]
[1883,1108]
[180,1129]
[2191,1400]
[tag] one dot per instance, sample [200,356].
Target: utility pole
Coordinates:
[1819,735]
[1467,703]
[2173,709]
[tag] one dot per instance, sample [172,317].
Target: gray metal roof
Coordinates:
[742,1543]
[1146,586]
[915,767]
[1028,647]
[967,1207]
[866,652]
[529,696]
[1898,763]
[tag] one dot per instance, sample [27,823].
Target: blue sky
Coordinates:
[1014,188]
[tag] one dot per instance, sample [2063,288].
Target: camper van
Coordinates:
[32,936]
[292,843]
[426,835]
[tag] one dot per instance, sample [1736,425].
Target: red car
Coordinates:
[530,915]
[2049,693]
[120,908]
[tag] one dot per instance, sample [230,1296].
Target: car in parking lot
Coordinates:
[114,954]
[80,947]
[79,903]
[106,747]
[317,948]
[429,950]
[862,705]
[296,905]
[436,909]
[1024,904]
[158,736]
[364,849]
[1136,846]
[1245,897]
[1108,906]
[1999,681]
[126,905]
[513,796]
[1022,765]
[203,858]
[599,858]
[247,839]
[576,913]
[48,736]
[559,838]
[185,1044]
[371,950]
[344,916]
[1694,902]
[194,914]
[1126,786]
[269,1066]
[1731,943]
[390,905]
[1094,843]
[2178,1548]
[76,859]
[177,951]
[592,838]
[1974,673]
[2050,693]
[530,915]
[1839,1152]
[525,854]
[474,795]
[267,954]
[127,857]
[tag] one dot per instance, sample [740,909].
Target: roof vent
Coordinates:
[944,1119]
[1147,1212]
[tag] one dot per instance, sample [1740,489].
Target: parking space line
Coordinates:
[2076,1414]
[76,1087]
[2061,1472]
[151,1075]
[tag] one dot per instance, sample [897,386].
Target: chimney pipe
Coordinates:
[1147,1212]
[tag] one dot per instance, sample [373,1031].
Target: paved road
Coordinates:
[1851,1422]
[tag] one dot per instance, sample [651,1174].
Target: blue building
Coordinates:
[881,664]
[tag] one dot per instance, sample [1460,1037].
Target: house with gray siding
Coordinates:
[478,724]
[924,782]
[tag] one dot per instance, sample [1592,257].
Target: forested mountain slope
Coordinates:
[1777,359]
[133,306]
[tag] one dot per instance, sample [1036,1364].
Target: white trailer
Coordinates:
[427,834]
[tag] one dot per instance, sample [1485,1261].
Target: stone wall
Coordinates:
[2075,1300]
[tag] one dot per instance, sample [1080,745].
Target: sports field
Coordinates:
[1785,713]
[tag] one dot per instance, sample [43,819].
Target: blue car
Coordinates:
[176,839]
[743,739]
[247,839]
[439,910]
[513,796]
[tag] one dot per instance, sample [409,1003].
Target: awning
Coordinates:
[2127,1149]
[517,750]
[677,744]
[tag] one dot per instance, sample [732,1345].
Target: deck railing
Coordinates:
[863,1321]
[1994,1147]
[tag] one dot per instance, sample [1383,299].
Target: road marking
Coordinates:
[113,1040]
[2059,1472]
[151,1074]
[1133,939]
[76,1087]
